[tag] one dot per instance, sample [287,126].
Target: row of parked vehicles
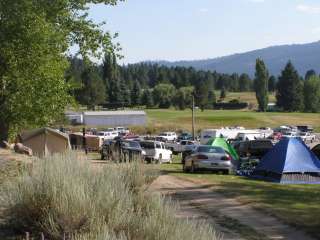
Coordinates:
[250,147]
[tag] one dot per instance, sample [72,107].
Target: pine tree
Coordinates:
[272,84]
[223,93]
[111,78]
[290,90]
[136,94]
[93,90]
[147,98]
[310,73]
[124,96]
[261,85]
[244,83]
[211,99]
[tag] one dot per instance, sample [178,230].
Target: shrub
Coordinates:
[64,195]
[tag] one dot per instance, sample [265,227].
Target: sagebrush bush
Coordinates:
[64,195]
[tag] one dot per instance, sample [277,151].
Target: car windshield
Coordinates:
[131,144]
[101,134]
[210,149]
[303,134]
[162,134]
[147,145]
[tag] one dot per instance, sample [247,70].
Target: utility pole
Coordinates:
[193,122]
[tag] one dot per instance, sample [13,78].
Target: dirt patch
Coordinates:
[232,219]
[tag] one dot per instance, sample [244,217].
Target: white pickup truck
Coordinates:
[156,151]
[179,147]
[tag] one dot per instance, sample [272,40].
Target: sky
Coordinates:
[200,29]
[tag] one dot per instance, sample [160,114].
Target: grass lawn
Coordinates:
[297,205]
[249,97]
[170,119]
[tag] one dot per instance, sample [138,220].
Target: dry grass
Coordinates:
[169,119]
[62,194]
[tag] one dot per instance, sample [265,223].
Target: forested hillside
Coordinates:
[303,56]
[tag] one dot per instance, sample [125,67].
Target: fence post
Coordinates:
[27,235]
[42,236]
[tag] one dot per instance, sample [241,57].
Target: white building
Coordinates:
[114,118]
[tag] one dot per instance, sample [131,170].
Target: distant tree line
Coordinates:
[153,85]
[149,84]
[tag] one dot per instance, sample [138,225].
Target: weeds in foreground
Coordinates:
[62,194]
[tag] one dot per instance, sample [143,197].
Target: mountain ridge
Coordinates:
[304,56]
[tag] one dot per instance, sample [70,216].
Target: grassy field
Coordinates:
[249,97]
[169,119]
[297,205]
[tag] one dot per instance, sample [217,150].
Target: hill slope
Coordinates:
[303,56]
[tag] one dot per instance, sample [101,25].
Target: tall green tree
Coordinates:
[261,85]
[272,84]
[223,93]
[310,73]
[111,77]
[147,98]
[34,40]
[125,93]
[211,99]
[244,83]
[290,89]
[93,91]
[312,94]
[183,98]
[136,94]
[163,95]
[201,92]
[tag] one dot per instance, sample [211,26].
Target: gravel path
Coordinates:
[230,218]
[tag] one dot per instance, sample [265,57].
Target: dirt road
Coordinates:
[230,218]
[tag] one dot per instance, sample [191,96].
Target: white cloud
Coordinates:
[308,9]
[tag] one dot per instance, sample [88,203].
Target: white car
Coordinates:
[307,137]
[167,136]
[122,130]
[107,135]
[156,151]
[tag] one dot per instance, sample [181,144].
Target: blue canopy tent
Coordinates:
[289,161]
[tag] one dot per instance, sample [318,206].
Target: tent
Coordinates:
[289,161]
[45,141]
[221,142]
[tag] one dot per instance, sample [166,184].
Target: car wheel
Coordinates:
[226,172]
[102,157]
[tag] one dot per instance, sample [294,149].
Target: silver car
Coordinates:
[209,158]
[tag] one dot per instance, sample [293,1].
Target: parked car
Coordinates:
[305,128]
[156,151]
[122,150]
[185,136]
[211,158]
[132,150]
[307,137]
[289,134]
[254,148]
[179,147]
[167,136]
[122,130]
[107,135]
